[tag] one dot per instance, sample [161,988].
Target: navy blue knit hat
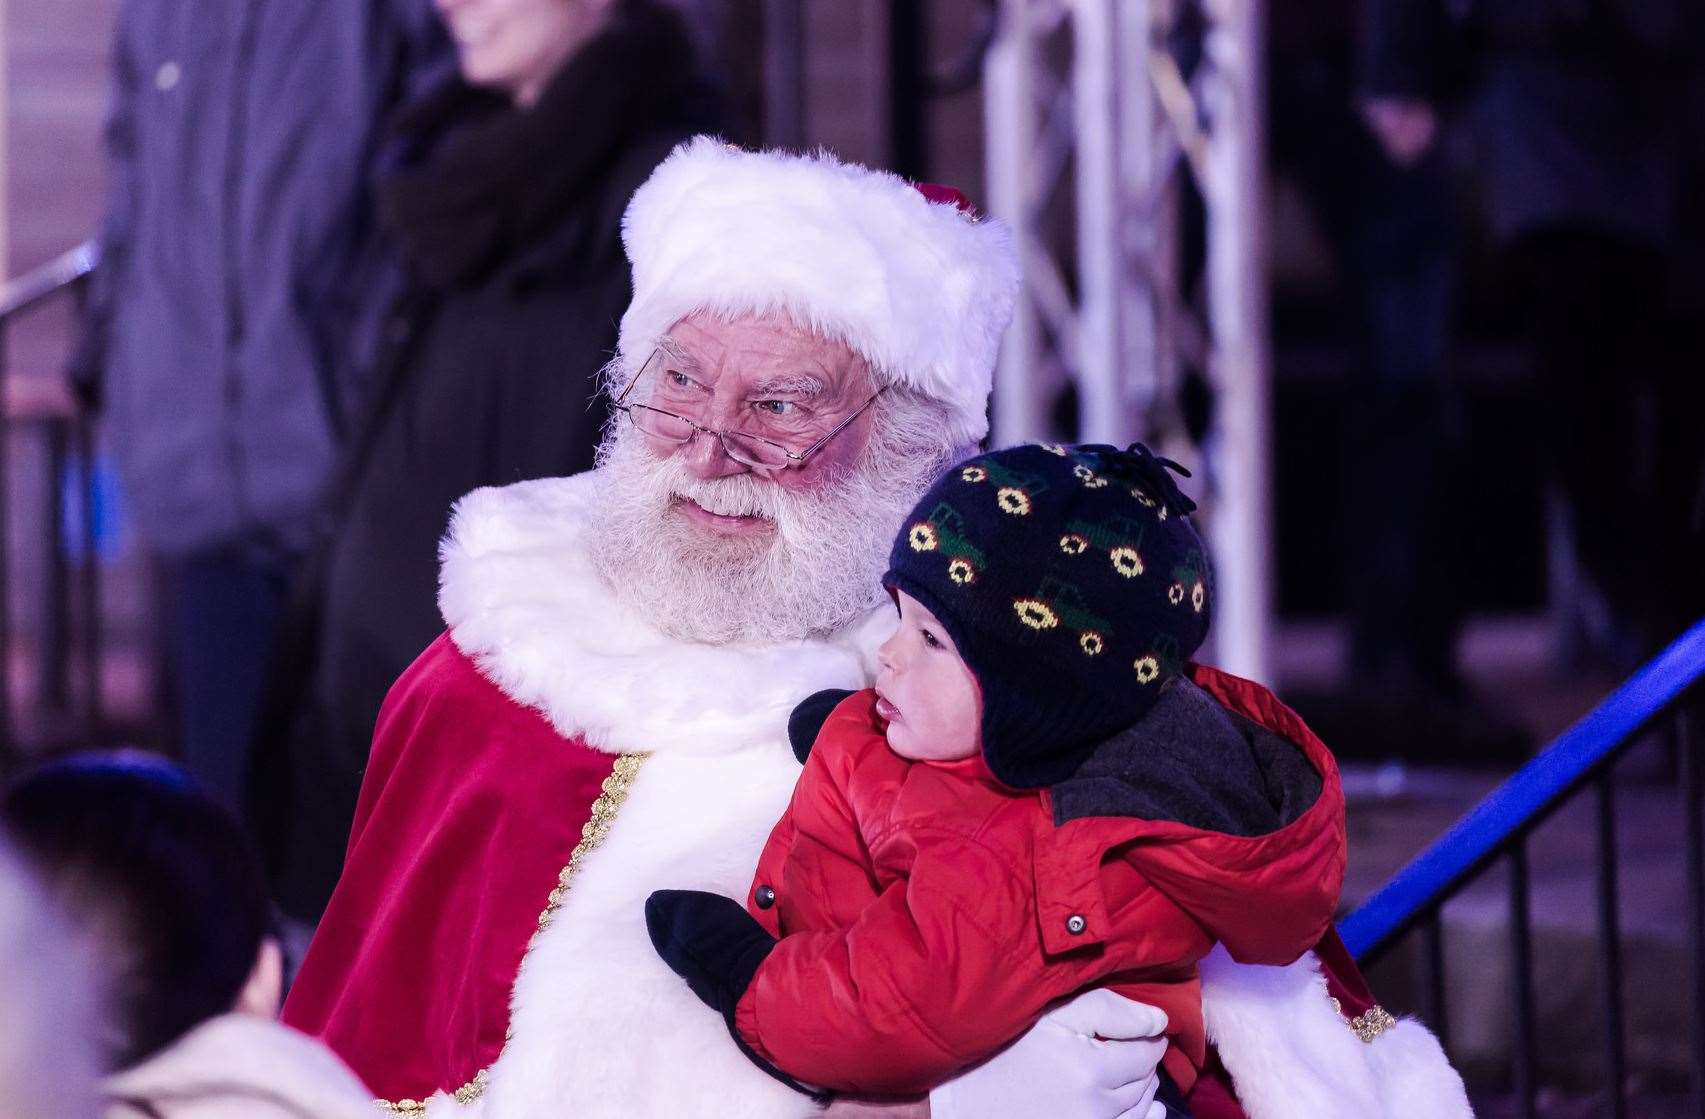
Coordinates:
[1073,585]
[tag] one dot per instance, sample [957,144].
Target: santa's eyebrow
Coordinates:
[672,350]
[791,384]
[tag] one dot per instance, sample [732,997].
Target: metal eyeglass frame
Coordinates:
[795,458]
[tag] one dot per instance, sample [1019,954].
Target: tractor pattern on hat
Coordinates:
[1014,489]
[1189,583]
[1058,604]
[944,531]
[1121,537]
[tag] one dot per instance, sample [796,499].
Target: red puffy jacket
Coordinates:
[930,915]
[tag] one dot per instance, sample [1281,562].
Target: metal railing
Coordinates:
[72,590]
[1656,698]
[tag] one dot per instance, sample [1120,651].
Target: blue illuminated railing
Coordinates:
[1656,698]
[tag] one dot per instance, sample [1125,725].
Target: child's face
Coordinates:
[925,692]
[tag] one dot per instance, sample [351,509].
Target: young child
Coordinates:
[1039,796]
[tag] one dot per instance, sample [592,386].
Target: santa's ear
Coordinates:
[808,718]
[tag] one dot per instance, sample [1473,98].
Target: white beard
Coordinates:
[819,569]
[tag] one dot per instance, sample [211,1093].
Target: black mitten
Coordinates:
[808,718]
[716,946]
[710,941]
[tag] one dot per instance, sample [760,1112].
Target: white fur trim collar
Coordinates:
[522,599]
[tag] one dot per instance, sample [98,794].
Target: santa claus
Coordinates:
[808,345]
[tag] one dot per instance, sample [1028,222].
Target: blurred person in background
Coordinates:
[1574,106]
[162,891]
[503,199]
[47,1009]
[1387,214]
[237,274]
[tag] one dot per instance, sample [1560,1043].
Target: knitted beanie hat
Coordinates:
[1073,585]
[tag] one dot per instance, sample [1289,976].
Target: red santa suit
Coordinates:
[554,758]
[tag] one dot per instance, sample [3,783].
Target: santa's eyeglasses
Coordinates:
[762,451]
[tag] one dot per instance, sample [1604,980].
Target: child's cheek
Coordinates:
[900,741]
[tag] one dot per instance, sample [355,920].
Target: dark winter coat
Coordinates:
[237,255]
[1571,104]
[928,914]
[509,222]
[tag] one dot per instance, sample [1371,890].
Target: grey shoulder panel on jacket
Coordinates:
[1191,761]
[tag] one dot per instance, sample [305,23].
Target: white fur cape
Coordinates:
[601,1028]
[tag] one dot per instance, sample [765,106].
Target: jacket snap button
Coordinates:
[766,897]
[1076,924]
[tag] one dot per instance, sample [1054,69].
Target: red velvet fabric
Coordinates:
[470,808]
[1343,978]
[930,914]
[937,192]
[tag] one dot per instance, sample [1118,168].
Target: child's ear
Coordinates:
[807,719]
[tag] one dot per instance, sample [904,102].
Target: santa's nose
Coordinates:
[705,457]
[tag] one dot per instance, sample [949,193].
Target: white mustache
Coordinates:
[817,571]
[728,497]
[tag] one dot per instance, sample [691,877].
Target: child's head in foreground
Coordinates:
[1046,596]
[159,883]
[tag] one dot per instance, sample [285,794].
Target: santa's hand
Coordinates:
[1097,1056]
[710,941]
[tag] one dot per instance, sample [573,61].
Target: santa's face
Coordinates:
[714,549]
[764,378]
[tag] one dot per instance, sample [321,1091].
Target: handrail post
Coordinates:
[1694,860]
[1438,1010]
[1521,981]
[1610,946]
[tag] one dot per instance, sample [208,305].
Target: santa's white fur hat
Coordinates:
[921,289]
